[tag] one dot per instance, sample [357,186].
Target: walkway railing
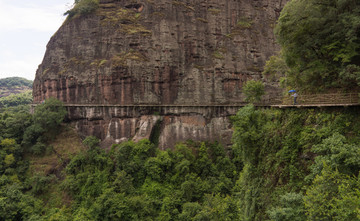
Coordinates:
[335,99]
[310,100]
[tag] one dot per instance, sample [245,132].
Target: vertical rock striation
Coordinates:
[163,52]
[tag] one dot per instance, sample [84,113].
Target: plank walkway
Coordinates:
[312,105]
[303,101]
[319,100]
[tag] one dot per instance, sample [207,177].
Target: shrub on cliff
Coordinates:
[253,90]
[50,114]
[83,7]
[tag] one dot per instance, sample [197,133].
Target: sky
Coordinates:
[26,27]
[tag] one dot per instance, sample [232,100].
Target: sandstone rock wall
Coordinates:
[162,52]
[115,124]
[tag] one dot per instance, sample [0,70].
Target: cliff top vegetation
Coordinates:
[320,43]
[82,7]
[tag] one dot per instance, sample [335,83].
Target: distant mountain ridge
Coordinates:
[14,85]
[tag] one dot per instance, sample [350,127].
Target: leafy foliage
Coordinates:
[14,123]
[15,82]
[333,195]
[253,90]
[15,205]
[22,133]
[83,7]
[284,165]
[16,99]
[291,208]
[46,120]
[278,147]
[321,42]
[276,70]
[136,181]
[337,154]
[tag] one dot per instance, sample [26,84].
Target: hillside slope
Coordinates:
[14,85]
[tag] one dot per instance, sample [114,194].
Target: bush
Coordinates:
[40,183]
[292,208]
[47,119]
[83,7]
[253,90]
[14,205]
[276,69]
[31,134]
[91,142]
[38,149]
[50,114]
[333,196]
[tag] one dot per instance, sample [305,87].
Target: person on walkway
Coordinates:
[295,96]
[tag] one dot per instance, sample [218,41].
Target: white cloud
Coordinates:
[19,68]
[25,28]
[46,19]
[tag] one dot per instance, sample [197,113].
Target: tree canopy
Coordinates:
[16,99]
[15,81]
[320,40]
[253,90]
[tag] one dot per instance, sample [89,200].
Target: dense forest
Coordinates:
[320,41]
[15,82]
[294,164]
[285,164]
[15,91]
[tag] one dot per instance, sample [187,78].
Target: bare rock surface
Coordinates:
[163,52]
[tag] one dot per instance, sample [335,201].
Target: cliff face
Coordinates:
[163,52]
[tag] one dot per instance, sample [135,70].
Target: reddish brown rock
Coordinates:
[194,52]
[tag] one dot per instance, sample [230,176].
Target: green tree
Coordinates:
[248,134]
[50,114]
[291,208]
[16,99]
[321,42]
[56,214]
[110,206]
[333,196]
[14,205]
[15,124]
[91,142]
[218,208]
[190,210]
[47,119]
[253,91]
[11,162]
[275,68]
[337,154]
[204,165]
